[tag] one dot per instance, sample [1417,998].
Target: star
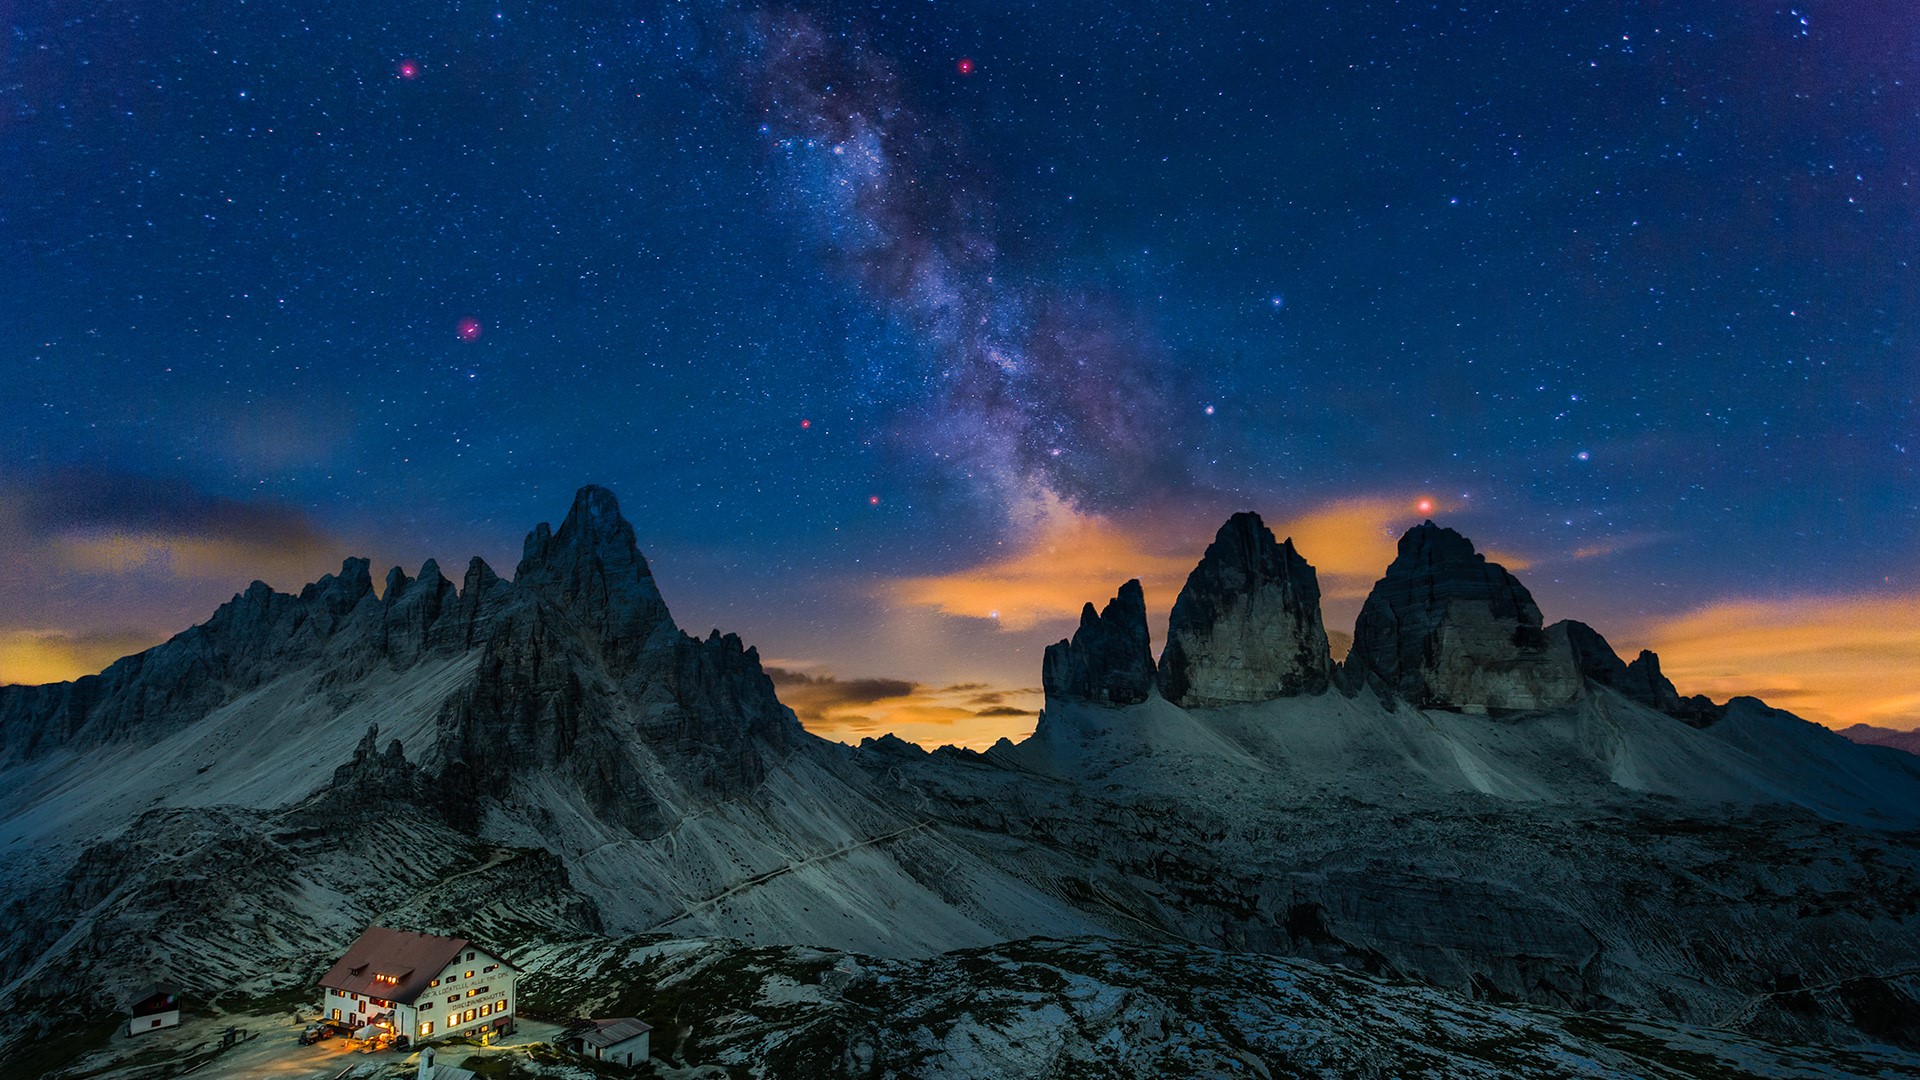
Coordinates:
[468,329]
[964,65]
[1425,506]
[407,69]
[805,424]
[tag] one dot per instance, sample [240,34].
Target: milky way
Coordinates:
[1039,394]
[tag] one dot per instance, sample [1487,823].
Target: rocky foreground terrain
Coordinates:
[1483,845]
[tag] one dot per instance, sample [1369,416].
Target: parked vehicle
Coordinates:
[321,1030]
[316,1033]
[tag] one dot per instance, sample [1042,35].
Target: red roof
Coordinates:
[411,960]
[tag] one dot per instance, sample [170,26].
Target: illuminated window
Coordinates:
[485,1010]
[426,1028]
[468,1016]
[452,1019]
[451,998]
[473,991]
[500,1006]
[469,975]
[435,982]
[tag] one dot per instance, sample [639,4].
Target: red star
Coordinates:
[407,69]
[468,329]
[805,424]
[964,65]
[873,500]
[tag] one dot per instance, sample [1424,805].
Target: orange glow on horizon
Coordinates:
[32,657]
[1071,559]
[1835,660]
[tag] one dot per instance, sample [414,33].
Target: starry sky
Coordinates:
[901,328]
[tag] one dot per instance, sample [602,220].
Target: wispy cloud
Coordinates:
[1351,541]
[1068,559]
[1837,660]
[851,709]
[96,564]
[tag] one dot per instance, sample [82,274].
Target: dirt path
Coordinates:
[761,879]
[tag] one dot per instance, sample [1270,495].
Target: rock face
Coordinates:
[1109,660]
[1640,680]
[594,569]
[1446,628]
[1247,625]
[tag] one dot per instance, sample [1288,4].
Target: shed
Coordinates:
[158,1006]
[621,1040]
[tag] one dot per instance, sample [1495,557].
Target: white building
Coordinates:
[157,1007]
[619,1041]
[419,985]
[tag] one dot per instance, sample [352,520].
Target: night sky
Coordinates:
[899,329]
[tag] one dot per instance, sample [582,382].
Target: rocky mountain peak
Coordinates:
[1447,628]
[1109,659]
[593,567]
[1247,625]
[1641,680]
[339,593]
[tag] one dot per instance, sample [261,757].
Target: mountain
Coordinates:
[1247,624]
[1476,802]
[1868,735]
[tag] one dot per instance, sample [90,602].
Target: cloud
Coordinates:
[31,657]
[818,695]
[95,564]
[94,521]
[1613,545]
[1068,559]
[1351,541]
[854,708]
[1838,660]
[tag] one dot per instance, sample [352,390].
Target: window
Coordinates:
[336,1014]
[156,1023]
[469,975]
[426,1028]
[469,960]
[434,983]
[451,998]
[468,1016]
[500,1006]
[488,968]
[485,1010]
[473,991]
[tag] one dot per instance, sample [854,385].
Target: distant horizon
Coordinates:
[848,705]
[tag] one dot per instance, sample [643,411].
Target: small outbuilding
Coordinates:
[158,1006]
[621,1040]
